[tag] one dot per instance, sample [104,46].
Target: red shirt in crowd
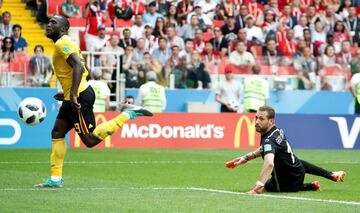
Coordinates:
[94,20]
[137,7]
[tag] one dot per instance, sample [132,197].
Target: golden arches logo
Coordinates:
[98,117]
[250,130]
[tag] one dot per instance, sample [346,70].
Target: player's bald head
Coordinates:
[63,21]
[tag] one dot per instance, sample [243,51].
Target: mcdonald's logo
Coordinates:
[98,117]
[250,126]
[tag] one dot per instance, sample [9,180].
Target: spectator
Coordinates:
[95,20]
[152,95]
[356,38]
[219,13]
[175,65]
[329,42]
[344,9]
[184,7]
[318,32]
[241,36]
[229,30]
[70,10]
[162,6]
[288,45]
[40,68]
[172,18]
[208,8]
[306,69]
[187,52]
[151,42]
[219,43]
[269,26]
[328,59]
[253,32]
[127,40]
[352,21]
[204,21]
[307,39]
[341,33]
[162,53]
[188,30]
[8,52]
[290,18]
[101,90]
[255,9]
[173,39]
[41,16]
[109,61]
[228,8]
[240,57]
[6,26]
[344,57]
[272,56]
[198,41]
[331,17]
[151,16]
[209,56]
[319,6]
[240,21]
[98,42]
[129,68]
[197,76]
[159,30]
[139,51]
[256,91]
[228,91]
[299,28]
[20,44]
[137,7]
[137,30]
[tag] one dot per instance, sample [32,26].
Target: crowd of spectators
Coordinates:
[169,37]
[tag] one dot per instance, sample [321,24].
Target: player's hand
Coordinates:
[258,189]
[59,96]
[74,103]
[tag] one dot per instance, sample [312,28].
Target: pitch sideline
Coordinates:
[190,189]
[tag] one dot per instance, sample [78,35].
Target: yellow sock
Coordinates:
[108,128]
[57,156]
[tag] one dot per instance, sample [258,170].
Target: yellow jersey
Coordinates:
[64,47]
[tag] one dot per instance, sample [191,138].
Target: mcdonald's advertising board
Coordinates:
[181,130]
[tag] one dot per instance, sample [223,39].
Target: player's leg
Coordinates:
[313,186]
[58,151]
[85,120]
[315,170]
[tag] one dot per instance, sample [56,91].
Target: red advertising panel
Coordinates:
[181,130]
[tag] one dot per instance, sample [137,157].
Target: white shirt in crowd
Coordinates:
[254,31]
[137,32]
[244,59]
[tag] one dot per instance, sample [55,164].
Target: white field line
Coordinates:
[157,162]
[189,189]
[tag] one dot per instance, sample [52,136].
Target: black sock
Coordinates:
[315,170]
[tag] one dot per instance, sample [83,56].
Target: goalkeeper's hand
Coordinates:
[236,162]
[258,189]
[59,96]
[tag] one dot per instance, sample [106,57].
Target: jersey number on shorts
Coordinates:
[77,127]
[290,152]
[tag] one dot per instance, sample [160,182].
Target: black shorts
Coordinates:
[83,120]
[273,185]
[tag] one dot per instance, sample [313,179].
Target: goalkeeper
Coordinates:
[286,170]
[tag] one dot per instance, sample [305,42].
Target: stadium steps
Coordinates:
[31,31]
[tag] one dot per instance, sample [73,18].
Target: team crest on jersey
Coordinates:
[267,147]
[66,49]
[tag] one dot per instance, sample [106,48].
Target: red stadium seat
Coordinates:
[53,7]
[77,22]
[121,23]
[218,23]
[266,70]
[207,36]
[287,71]
[82,40]
[259,50]
[331,71]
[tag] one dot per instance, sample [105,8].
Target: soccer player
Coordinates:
[286,170]
[78,99]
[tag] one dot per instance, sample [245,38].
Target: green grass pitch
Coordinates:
[164,180]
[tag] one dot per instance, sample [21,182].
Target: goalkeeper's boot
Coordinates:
[338,176]
[135,111]
[51,184]
[313,186]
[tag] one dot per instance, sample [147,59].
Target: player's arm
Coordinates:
[264,174]
[243,159]
[75,62]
